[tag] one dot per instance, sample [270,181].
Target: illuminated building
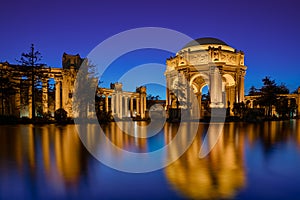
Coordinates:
[207,61]
[19,100]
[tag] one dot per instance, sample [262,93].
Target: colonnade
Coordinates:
[124,104]
[250,101]
[45,98]
[120,103]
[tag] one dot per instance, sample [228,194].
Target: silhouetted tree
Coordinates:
[87,81]
[295,91]
[60,115]
[7,91]
[151,100]
[239,109]
[282,107]
[292,107]
[253,91]
[269,94]
[31,60]
[151,97]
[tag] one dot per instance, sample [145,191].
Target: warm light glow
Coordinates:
[218,176]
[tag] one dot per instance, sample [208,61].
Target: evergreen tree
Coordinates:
[31,60]
[253,91]
[86,84]
[269,94]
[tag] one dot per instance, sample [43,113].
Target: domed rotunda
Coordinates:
[206,62]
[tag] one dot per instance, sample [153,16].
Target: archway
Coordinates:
[211,62]
[228,89]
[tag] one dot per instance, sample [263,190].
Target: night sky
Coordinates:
[267,31]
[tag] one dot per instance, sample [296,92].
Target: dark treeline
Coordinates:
[270,102]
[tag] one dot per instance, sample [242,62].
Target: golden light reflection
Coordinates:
[57,152]
[68,153]
[46,149]
[31,146]
[217,176]
[50,149]
[124,140]
[297,133]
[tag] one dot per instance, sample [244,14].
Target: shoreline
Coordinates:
[72,121]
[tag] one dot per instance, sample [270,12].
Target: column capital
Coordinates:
[57,79]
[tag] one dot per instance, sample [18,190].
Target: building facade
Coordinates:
[202,62]
[16,97]
[211,62]
[124,104]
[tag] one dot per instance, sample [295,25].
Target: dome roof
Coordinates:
[204,41]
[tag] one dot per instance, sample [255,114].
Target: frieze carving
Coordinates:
[228,58]
[198,58]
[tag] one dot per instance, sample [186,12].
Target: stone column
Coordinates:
[142,107]
[57,94]
[45,95]
[167,97]
[145,103]
[120,106]
[126,106]
[131,106]
[112,104]
[17,101]
[189,91]
[117,103]
[199,96]
[216,88]
[65,95]
[223,93]
[233,95]
[106,103]
[241,87]
[137,106]
[219,88]
[227,91]
[167,91]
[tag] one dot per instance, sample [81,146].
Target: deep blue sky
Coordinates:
[267,31]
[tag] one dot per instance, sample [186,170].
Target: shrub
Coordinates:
[60,115]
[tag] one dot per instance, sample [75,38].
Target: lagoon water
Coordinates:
[250,161]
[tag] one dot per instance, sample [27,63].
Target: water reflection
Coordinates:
[271,134]
[109,147]
[218,175]
[50,161]
[49,156]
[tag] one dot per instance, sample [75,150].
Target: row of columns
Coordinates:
[30,96]
[122,105]
[45,104]
[220,93]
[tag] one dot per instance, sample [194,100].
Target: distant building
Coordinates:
[211,62]
[16,93]
[202,62]
[293,99]
[122,104]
